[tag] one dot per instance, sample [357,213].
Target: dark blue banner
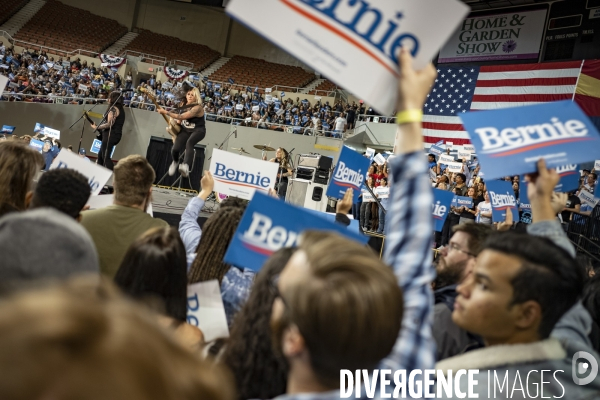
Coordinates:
[349,172]
[269,224]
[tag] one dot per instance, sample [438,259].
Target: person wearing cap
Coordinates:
[82,154]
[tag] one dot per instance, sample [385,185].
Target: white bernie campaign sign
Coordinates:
[344,38]
[97,175]
[53,133]
[206,311]
[241,176]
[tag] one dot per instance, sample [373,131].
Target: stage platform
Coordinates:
[168,204]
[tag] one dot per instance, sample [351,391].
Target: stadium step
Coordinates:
[17,21]
[214,66]
[312,85]
[117,47]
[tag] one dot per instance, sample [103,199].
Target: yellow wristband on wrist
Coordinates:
[408,116]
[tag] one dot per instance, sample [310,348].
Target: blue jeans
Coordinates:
[382,216]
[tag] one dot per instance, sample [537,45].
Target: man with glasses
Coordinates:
[454,263]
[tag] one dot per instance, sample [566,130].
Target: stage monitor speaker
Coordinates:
[307,194]
[159,156]
[325,163]
[317,194]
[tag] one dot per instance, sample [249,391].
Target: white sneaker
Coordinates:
[173,168]
[184,170]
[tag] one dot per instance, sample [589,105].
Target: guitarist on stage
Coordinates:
[193,130]
[111,130]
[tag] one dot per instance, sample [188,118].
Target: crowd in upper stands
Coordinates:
[37,75]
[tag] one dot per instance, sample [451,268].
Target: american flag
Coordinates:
[460,89]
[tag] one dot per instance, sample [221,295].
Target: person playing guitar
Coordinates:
[112,130]
[193,130]
[284,171]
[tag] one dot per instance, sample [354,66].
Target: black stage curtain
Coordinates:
[159,156]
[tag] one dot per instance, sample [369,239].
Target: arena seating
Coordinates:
[326,85]
[68,28]
[255,72]
[173,48]
[9,7]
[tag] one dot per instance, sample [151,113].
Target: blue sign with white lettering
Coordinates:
[502,197]
[442,200]
[460,201]
[569,178]
[96,147]
[510,141]
[269,224]
[37,145]
[349,172]
[436,150]
[524,203]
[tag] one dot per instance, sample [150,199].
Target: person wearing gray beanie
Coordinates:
[43,244]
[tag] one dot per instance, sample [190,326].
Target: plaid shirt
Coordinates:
[408,251]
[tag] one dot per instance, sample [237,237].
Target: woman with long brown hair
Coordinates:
[18,166]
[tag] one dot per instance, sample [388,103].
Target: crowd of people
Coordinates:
[499,301]
[470,182]
[36,77]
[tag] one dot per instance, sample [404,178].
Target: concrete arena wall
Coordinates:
[140,125]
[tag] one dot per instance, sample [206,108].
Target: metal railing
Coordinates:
[209,117]
[185,64]
[148,58]
[275,90]
[50,99]
[269,126]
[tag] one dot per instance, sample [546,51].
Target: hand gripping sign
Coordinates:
[349,173]
[502,197]
[241,176]
[268,224]
[345,38]
[510,141]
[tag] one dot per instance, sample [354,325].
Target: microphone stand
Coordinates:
[224,140]
[82,126]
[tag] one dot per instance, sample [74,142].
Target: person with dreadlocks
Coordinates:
[259,372]
[205,247]
[193,129]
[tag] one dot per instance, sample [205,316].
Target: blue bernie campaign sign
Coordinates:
[524,203]
[268,224]
[37,145]
[510,141]
[502,197]
[569,178]
[597,192]
[38,128]
[440,208]
[349,173]
[96,147]
[436,150]
[460,201]
[7,129]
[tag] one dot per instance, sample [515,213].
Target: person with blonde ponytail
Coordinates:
[193,130]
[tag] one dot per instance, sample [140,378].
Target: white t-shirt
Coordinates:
[485,208]
[340,123]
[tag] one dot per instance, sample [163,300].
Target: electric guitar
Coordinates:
[172,127]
